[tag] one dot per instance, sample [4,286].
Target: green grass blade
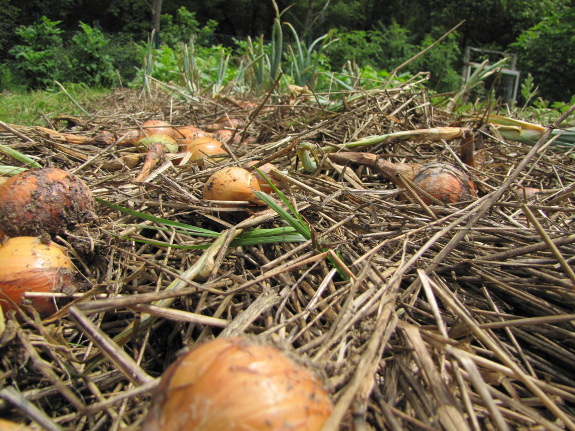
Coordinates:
[266,232]
[296,223]
[165,244]
[17,155]
[183,226]
[284,199]
[11,170]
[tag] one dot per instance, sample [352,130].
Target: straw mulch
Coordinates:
[452,317]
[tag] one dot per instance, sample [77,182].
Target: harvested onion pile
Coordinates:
[237,384]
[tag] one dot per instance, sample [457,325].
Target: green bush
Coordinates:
[39,57]
[90,57]
[442,61]
[90,60]
[546,51]
[389,46]
[183,26]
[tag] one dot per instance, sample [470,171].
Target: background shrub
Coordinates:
[39,56]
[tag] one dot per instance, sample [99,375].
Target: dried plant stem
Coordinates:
[566,267]
[509,362]
[384,328]
[14,397]
[112,351]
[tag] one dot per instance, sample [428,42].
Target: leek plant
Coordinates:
[477,78]
[148,66]
[529,133]
[305,61]
[191,72]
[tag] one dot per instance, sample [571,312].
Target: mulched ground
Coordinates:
[453,317]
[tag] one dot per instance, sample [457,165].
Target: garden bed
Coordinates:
[417,316]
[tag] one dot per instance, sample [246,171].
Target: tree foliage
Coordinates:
[39,55]
[373,33]
[547,50]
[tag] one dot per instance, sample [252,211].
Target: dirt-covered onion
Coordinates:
[206,147]
[44,200]
[232,184]
[30,264]
[237,384]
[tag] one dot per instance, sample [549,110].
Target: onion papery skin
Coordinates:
[232,184]
[237,384]
[189,133]
[528,193]
[157,127]
[266,168]
[201,148]
[445,183]
[6,425]
[44,200]
[168,142]
[30,264]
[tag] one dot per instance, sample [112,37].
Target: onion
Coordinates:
[200,148]
[33,265]
[232,184]
[157,127]
[441,180]
[44,200]
[236,384]
[225,123]
[158,138]
[6,425]
[154,138]
[266,168]
[124,160]
[189,133]
[445,183]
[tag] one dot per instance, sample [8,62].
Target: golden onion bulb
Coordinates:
[29,264]
[238,384]
[201,148]
[157,127]
[232,184]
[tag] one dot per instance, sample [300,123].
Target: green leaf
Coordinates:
[19,156]
[297,223]
[189,229]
